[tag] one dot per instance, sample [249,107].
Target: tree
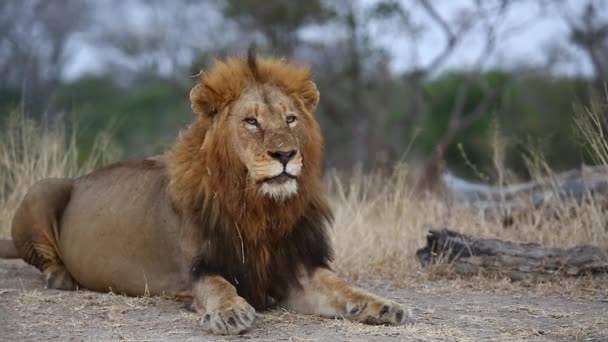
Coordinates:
[482,17]
[34,45]
[589,31]
[167,37]
[279,21]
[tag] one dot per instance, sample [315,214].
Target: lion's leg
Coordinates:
[35,230]
[324,293]
[224,311]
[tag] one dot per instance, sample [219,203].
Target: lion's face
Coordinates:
[265,131]
[255,135]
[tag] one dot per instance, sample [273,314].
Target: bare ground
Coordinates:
[28,312]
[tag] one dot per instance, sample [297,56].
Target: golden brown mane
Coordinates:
[209,183]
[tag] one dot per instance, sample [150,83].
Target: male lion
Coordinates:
[233,217]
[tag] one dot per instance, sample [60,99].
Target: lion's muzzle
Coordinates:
[278,176]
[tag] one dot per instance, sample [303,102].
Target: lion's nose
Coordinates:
[282,156]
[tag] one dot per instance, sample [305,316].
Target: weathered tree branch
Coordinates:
[451,38]
[574,184]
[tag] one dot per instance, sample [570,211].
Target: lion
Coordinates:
[232,218]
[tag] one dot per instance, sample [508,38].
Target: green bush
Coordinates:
[530,114]
[143,119]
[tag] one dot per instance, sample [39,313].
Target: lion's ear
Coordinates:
[310,96]
[201,100]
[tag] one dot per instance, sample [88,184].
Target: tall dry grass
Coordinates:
[380,223]
[30,152]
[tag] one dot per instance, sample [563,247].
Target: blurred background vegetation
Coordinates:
[441,84]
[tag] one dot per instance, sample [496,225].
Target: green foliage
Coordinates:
[532,115]
[9,100]
[144,119]
[541,120]
[444,92]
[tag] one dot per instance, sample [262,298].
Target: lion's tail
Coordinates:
[8,250]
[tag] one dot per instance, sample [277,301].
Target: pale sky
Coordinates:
[526,33]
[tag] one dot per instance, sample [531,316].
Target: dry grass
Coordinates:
[380,224]
[30,152]
[380,221]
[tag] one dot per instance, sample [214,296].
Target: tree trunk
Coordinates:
[469,255]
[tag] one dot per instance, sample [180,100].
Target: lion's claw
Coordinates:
[233,320]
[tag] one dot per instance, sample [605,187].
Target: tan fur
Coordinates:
[225,192]
[36,230]
[325,294]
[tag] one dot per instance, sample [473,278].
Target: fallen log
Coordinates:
[579,184]
[469,255]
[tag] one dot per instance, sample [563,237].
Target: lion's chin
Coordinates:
[280,191]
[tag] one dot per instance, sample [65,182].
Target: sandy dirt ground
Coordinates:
[28,312]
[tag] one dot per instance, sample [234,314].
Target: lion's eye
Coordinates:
[251,121]
[291,119]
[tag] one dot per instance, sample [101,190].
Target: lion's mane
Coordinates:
[254,242]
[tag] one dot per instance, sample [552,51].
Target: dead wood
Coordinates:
[470,255]
[579,184]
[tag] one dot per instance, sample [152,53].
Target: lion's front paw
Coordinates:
[234,318]
[378,311]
